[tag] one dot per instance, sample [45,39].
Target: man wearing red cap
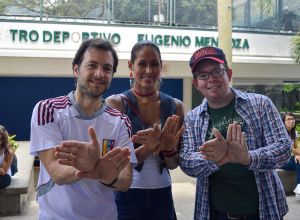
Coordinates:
[232,144]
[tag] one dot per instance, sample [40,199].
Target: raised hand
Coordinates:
[215,150]
[81,155]
[149,137]
[237,146]
[170,135]
[109,166]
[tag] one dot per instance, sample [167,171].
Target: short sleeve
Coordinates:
[43,136]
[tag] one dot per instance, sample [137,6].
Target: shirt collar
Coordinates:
[77,112]
[238,95]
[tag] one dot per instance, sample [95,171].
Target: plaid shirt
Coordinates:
[269,148]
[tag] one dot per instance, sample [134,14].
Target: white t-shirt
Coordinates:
[58,119]
[149,177]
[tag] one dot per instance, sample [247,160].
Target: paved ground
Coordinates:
[184,198]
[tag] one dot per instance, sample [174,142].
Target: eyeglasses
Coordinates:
[216,73]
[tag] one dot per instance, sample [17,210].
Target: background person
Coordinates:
[6,157]
[82,120]
[150,195]
[289,121]
[232,143]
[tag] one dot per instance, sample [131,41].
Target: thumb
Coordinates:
[156,129]
[218,135]
[93,136]
[180,132]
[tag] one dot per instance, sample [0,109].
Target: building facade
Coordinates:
[36,60]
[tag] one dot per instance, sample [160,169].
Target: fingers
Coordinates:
[234,132]
[93,136]
[167,124]
[110,165]
[239,134]
[139,139]
[66,162]
[180,132]
[145,132]
[229,133]
[64,155]
[112,153]
[66,152]
[122,163]
[208,146]
[69,146]
[208,151]
[156,129]
[243,140]
[176,123]
[171,125]
[218,135]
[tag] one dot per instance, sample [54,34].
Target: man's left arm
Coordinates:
[275,143]
[124,179]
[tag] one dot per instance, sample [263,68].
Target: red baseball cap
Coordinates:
[211,53]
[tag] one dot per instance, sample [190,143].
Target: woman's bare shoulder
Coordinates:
[179,107]
[115,101]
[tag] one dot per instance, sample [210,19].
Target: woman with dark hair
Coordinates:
[290,125]
[150,194]
[6,157]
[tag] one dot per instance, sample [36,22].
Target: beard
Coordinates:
[90,92]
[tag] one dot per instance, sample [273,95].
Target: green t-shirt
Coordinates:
[232,188]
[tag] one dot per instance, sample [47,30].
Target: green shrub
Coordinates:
[12,142]
[298,128]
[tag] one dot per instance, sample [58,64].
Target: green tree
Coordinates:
[132,10]
[196,12]
[295,48]
[265,6]
[291,97]
[23,6]
[56,8]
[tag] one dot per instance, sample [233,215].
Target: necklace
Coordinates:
[144,96]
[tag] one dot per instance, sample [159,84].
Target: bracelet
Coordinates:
[169,153]
[110,184]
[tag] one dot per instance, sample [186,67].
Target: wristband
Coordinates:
[110,184]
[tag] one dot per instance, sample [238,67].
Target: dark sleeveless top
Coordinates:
[167,109]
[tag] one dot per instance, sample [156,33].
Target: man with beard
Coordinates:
[82,120]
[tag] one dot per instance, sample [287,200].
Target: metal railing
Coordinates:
[284,15]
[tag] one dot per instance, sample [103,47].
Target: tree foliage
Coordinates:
[132,10]
[196,12]
[56,8]
[188,12]
[265,6]
[290,87]
[295,48]
[290,92]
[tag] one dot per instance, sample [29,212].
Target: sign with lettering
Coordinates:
[62,40]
